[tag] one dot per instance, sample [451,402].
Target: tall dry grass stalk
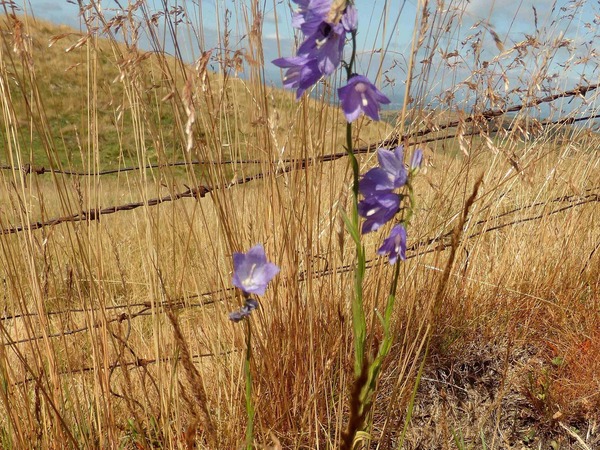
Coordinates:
[114,329]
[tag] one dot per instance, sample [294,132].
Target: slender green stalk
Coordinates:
[248,376]
[386,343]
[359,323]
[386,320]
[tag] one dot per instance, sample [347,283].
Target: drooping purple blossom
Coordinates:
[350,19]
[395,245]
[320,54]
[302,73]
[360,95]
[378,210]
[249,305]
[416,159]
[310,14]
[391,173]
[326,45]
[252,272]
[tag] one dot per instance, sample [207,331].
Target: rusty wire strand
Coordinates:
[486,116]
[417,249]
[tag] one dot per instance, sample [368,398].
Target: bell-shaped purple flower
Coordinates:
[350,19]
[391,173]
[326,45]
[395,245]
[378,210]
[310,14]
[301,73]
[252,272]
[360,95]
[416,159]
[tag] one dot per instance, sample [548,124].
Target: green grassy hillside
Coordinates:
[78,99]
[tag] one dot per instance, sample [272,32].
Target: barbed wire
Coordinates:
[417,249]
[94,214]
[136,364]
[487,116]
[201,191]
[183,302]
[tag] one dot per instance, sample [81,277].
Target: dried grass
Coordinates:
[114,328]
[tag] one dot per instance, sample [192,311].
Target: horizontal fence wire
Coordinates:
[132,311]
[486,116]
[407,139]
[420,248]
[292,164]
[413,251]
[136,364]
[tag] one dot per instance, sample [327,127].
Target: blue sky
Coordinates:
[388,25]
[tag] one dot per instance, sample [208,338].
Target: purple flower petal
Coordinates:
[302,73]
[360,95]
[395,245]
[417,159]
[378,210]
[393,165]
[252,272]
[326,45]
[350,19]
[391,161]
[390,175]
[310,14]
[376,181]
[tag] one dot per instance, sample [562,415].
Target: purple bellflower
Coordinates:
[252,272]
[360,95]
[416,160]
[395,245]
[378,210]
[302,73]
[391,173]
[326,45]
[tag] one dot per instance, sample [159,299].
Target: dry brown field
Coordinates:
[115,288]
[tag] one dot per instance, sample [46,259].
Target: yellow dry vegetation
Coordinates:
[88,354]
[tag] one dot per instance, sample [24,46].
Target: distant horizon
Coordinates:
[509,25]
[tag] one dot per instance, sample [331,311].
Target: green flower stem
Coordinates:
[248,376]
[386,320]
[386,343]
[411,199]
[359,323]
[350,65]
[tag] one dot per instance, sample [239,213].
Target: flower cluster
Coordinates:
[381,204]
[325,25]
[251,273]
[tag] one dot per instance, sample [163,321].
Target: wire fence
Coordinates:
[485,116]
[127,312]
[291,164]
[420,248]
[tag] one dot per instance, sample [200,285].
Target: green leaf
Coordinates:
[351,228]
